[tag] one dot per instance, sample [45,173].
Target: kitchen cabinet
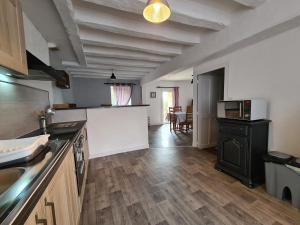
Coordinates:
[59,204]
[72,192]
[12,39]
[38,215]
[241,147]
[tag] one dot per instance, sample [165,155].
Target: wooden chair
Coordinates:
[188,123]
[173,118]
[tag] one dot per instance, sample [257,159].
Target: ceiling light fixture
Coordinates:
[113,76]
[157,11]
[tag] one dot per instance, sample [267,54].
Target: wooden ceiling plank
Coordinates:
[106,39]
[205,17]
[118,22]
[123,54]
[250,3]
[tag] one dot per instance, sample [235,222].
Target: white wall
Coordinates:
[268,69]
[155,109]
[116,130]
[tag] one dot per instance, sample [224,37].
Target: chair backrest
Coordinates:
[189,109]
[175,109]
[189,117]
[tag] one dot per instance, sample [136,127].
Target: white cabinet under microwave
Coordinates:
[253,109]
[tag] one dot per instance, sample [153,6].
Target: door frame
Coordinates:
[162,103]
[197,73]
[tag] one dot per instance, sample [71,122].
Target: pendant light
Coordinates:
[157,11]
[113,77]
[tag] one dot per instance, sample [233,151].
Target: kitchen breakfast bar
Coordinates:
[111,129]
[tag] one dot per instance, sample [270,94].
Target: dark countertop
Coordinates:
[245,122]
[17,202]
[96,107]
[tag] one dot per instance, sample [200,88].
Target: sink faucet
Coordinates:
[43,117]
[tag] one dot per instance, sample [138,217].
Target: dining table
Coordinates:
[180,116]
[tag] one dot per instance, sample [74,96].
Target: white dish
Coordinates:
[21,148]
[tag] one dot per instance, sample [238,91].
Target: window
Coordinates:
[120,95]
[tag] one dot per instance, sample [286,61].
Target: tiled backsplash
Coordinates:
[19,108]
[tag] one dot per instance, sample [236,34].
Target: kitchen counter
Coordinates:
[19,200]
[106,106]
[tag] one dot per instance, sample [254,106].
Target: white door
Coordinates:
[208,95]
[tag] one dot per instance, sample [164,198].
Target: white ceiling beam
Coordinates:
[72,65]
[118,22]
[66,10]
[105,76]
[251,3]
[103,71]
[106,39]
[121,62]
[108,75]
[186,12]
[123,54]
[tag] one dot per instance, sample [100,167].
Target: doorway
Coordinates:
[167,101]
[210,91]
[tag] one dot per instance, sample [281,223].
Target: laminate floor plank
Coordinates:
[138,215]
[104,216]
[172,183]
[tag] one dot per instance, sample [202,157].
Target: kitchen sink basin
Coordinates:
[8,177]
[65,125]
[64,128]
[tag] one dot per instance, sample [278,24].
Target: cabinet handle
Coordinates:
[40,221]
[52,206]
[241,109]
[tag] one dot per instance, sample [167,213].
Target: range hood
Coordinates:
[37,70]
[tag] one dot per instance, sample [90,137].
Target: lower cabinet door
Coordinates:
[232,153]
[38,216]
[56,200]
[73,199]
[59,204]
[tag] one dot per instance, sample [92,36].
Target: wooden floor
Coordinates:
[175,186]
[160,136]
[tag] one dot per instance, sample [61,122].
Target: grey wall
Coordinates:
[20,106]
[88,92]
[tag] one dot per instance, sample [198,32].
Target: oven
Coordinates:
[80,166]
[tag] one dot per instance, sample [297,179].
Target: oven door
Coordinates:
[79,161]
[234,109]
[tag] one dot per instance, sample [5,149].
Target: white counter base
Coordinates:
[117,130]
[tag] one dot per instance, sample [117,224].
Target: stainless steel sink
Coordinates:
[65,125]
[8,177]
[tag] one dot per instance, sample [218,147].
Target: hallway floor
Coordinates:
[172,185]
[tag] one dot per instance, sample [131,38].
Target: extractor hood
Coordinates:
[37,70]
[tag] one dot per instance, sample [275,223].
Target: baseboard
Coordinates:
[118,151]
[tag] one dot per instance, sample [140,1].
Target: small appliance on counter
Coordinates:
[251,109]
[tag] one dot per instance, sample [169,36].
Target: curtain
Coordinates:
[121,95]
[176,96]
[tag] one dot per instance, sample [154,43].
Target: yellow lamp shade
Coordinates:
[157,11]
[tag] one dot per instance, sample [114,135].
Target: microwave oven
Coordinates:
[254,109]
